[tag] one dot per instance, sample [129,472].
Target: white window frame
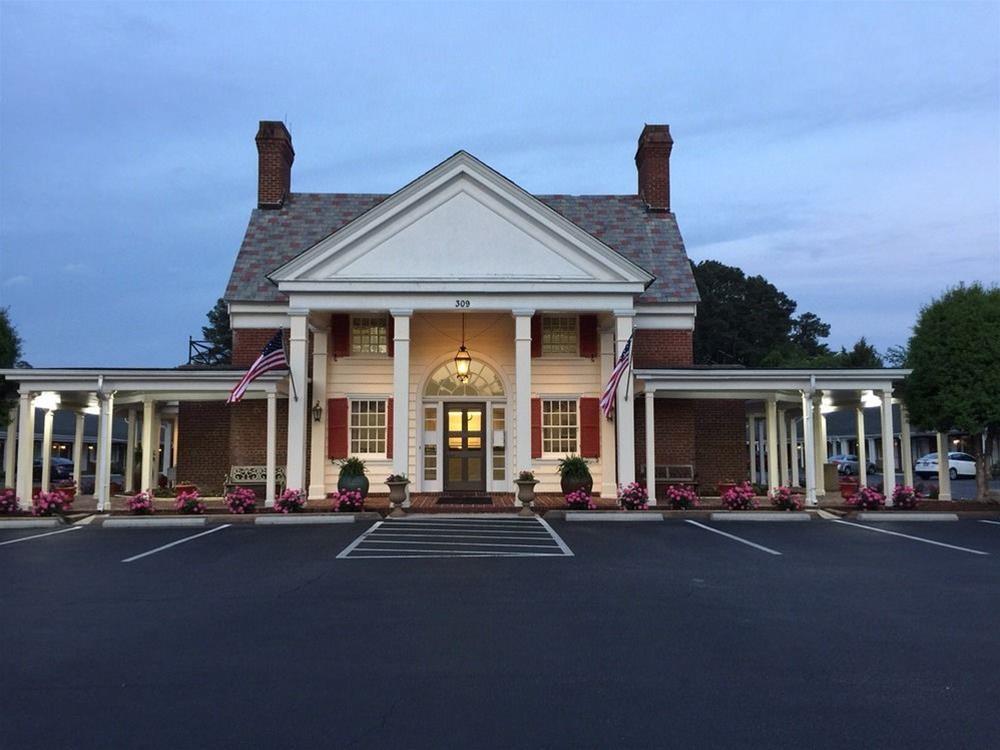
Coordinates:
[561,355]
[385,325]
[350,427]
[561,454]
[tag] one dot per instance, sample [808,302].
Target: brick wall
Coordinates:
[721,451]
[203,444]
[663,348]
[247,343]
[674,433]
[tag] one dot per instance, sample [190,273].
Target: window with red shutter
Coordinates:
[589,341]
[390,333]
[340,335]
[337,428]
[536,429]
[590,427]
[536,335]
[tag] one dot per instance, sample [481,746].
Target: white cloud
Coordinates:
[17,280]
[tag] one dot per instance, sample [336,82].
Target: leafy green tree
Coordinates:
[218,333]
[862,355]
[10,356]
[896,356]
[955,355]
[807,330]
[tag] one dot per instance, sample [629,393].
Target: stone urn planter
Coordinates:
[397,493]
[526,494]
[574,475]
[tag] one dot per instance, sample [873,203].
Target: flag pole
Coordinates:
[291,376]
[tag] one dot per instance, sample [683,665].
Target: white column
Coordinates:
[522,389]
[905,449]
[272,447]
[650,448]
[819,445]
[148,447]
[624,406]
[783,442]
[772,444]
[298,408]
[752,432]
[944,478]
[888,454]
[872,450]
[809,448]
[168,448]
[10,449]
[401,393]
[317,445]
[859,416]
[795,452]
[102,473]
[78,448]
[47,448]
[609,482]
[761,448]
[173,442]
[130,435]
[25,448]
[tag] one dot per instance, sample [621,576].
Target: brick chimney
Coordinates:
[652,159]
[274,164]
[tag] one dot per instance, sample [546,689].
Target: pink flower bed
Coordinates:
[740,497]
[681,497]
[190,502]
[633,496]
[785,498]
[347,501]
[9,501]
[580,500]
[48,503]
[141,503]
[241,500]
[290,501]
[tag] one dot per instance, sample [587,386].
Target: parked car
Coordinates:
[60,470]
[959,465]
[848,465]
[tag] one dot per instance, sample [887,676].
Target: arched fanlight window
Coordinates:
[483,381]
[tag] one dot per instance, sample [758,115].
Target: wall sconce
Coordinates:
[317,412]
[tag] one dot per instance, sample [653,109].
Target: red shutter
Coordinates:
[588,336]
[336,426]
[536,335]
[536,429]
[590,427]
[388,428]
[340,335]
[390,333]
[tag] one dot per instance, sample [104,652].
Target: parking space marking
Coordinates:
[914,538]
[983,520]
[39,536]
[460,537]
[735,538]
[174,544]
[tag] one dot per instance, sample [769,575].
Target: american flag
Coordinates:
[611,389]
[272,357]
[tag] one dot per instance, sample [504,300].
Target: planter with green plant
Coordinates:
[352,476]
[574,475]
[397,488]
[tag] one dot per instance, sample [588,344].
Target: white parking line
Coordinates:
[914,538]
[174,544]
[983,520]
[347,550]
[410,553]
[39,536]
[447,535]
[735,538]
[558,539]
[460,544]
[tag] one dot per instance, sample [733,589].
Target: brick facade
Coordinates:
[274,164]
[203,444]
[721,451]
[663,348]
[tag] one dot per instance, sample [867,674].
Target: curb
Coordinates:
[611,515]
[758,515]
[30,523]
[905,516]
[305,519]
[158,523]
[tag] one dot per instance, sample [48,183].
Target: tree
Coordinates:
[955,355]
[10,356]
[862,355]
[218,333]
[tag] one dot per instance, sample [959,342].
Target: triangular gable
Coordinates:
[461,221]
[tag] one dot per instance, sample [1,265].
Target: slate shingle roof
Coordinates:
[651,240]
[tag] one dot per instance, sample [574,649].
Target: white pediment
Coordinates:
[460,222]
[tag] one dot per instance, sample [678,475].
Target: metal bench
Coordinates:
[255,478]
[667,474]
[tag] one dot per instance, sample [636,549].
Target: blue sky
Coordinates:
[850,153]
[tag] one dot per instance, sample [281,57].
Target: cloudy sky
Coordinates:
[850,153]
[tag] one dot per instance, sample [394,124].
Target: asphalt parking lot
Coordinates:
[662,634]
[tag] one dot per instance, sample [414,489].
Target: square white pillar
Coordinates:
[944,465]
[888,454]
[772,444]
[609,474]
[317,443]
[10,449]
[102,473]
[752,443]
[47,448]
[78,448]
[148,446]
[809,448]
[783,443]
[271,459]
[794,458]
[130,440]
[522,389]
[25,448]
[819,444]
[401,392]
[650,402]
[859,417]
[905,447]
[298,404]
[624,407]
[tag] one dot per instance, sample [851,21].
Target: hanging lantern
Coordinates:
[463,361]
